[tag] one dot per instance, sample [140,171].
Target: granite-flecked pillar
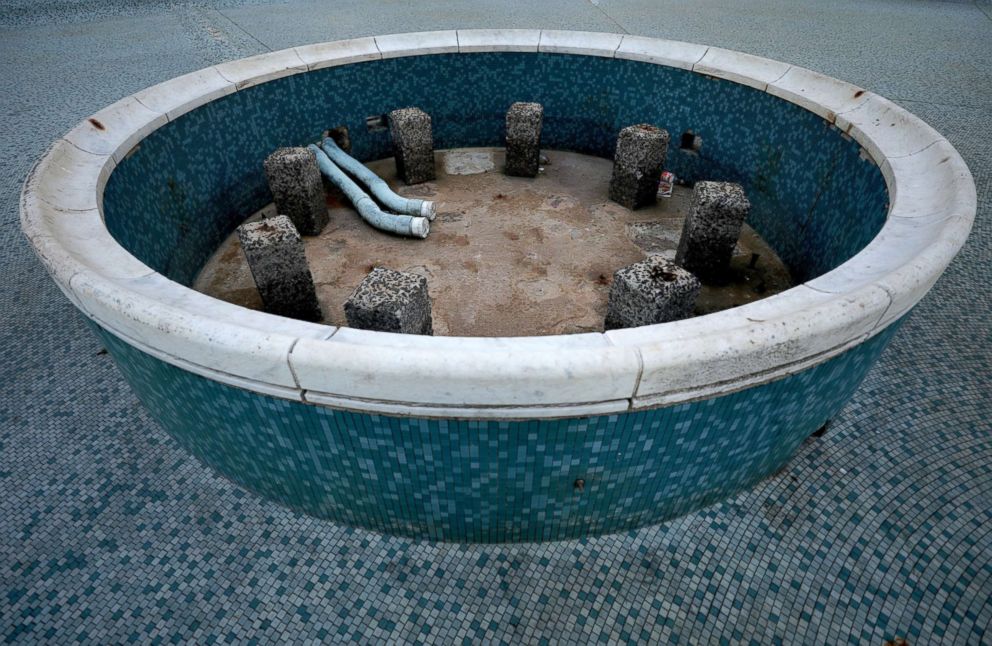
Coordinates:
[413,144]
[651,291]
[523,139]
[279,265]
[390,301]
[297,188]
[637,165]
[712,226]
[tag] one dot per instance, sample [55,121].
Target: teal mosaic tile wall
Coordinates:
[814,196]
[189,184]
[494,481]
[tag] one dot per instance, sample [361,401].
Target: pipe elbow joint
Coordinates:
[428,210]
[420,227]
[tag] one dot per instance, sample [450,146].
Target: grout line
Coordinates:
[296,50]
[787,70]
[978,4]
[611,18]
[885,312]
[289,362]
[693,68]
[917,152]
[941,104]
[640,375]
[640,369]
[164,114]
[227,378]
[243,30]
[109,156]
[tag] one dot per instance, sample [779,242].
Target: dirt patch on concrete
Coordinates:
[507,256]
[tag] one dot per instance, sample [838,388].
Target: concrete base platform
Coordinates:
[506,256]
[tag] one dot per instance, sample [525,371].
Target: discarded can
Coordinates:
[665,184]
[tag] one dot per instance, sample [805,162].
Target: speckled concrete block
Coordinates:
[390,301]
[651,291]
[716,213]
[297,188]
[413,144]
[275,255]
[637,165]
[523,139]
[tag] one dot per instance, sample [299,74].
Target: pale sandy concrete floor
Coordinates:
[506,256]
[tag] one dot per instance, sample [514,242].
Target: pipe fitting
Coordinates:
[405,225]
[376,185]
[420,227]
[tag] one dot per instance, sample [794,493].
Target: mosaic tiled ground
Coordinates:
[109,532]
[498,481]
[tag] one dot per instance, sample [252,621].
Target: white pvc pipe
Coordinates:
[404,225]
[379,188]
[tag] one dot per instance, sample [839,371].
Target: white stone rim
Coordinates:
[932,207]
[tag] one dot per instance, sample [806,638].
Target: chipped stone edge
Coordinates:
[587,43]
[418,43]
[340,52]
[624,369]
[254,70]
[498,40]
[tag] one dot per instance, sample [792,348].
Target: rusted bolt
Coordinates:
[580,485]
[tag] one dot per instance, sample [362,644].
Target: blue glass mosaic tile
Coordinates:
[494,481]
[190,183]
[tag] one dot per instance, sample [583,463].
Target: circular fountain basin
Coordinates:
[506,438]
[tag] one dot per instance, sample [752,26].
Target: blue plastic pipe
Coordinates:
[379,188]
[404,225]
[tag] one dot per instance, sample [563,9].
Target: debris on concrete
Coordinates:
[523,139]
[467,162]
[711,229]
[297,189]
[413,144]
[665,184]
[637,165]
[278,264]
[655,237]
[368,209]
[390,301]
[651,291]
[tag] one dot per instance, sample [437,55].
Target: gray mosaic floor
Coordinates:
[110,533]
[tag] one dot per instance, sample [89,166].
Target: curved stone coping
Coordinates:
[932,206]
